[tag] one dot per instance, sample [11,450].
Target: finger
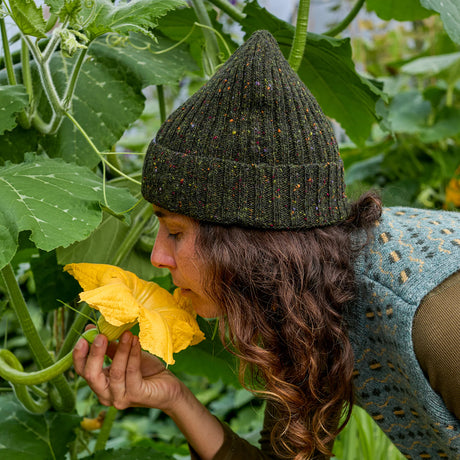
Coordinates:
[89,326]
[118,368]
[133,368]
[93,372]
[79,354]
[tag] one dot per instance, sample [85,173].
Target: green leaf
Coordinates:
[51,282]
[66,9]
[447,125]
[41,437]
[445,66]
[28,17]
[450,15]
[13,99]
[125,17]
[140,55]
[58,202]
[407,10]
[408,112]
[209,358]
[179,23]
[328,71]
[103,244]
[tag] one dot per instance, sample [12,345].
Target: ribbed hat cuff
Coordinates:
[252,195]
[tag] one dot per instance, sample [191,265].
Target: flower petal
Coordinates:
[91,276]
[115,302]
[167,330]
[155,335]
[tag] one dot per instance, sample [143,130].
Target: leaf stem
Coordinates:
[228,8]
[346,21]
[300,35]
[69,91]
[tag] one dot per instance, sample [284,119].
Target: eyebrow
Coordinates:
[159,214]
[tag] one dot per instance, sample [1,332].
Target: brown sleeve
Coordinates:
[436,339]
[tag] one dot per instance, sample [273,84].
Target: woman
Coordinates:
[324,302]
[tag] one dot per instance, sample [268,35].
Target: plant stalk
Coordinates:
[346,21]
[7,54]
[300,35]
[211,52]
[41,355]
[104,433]
[161,102]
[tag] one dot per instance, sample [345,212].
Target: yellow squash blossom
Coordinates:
[167,322]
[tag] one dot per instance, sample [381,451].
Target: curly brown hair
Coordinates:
[283,295]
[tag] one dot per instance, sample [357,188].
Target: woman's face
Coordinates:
[174,249]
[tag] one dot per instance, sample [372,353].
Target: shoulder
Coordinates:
[412,251]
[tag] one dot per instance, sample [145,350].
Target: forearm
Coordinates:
[202,430]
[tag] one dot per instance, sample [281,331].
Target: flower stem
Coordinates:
[346,21]
[300,35]
[12,370]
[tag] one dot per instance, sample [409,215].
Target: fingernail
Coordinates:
[79,344]
[124,337]
[98,341]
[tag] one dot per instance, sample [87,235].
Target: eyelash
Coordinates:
[174,236]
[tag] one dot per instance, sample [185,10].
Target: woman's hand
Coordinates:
[134,378]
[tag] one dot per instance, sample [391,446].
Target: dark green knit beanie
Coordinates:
[252,148]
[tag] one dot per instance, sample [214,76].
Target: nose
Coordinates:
[161,256]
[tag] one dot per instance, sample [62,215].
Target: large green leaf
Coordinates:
[41,437]
[180,24]
[407,10]
[408,112]
[57,201]
[328,71]
[445,66]
[124,17]
[450,15]
[209,358]
[147,61]
[28,17]
[102,246]
[13,98]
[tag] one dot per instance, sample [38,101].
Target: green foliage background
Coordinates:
[83,89]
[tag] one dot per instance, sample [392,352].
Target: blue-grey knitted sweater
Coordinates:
[413,251]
